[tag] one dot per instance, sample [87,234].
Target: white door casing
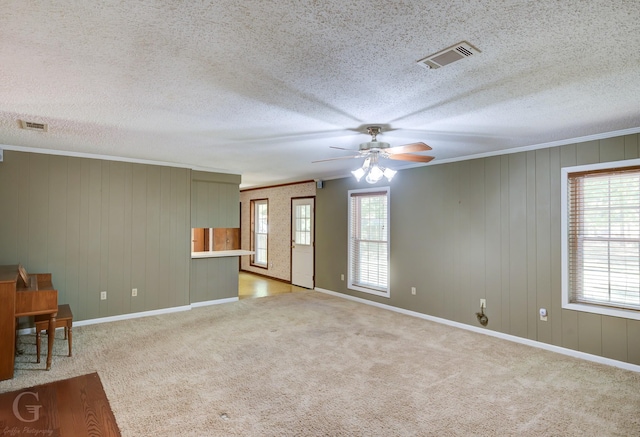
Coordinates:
[302,242]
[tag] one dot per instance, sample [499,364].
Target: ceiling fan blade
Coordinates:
[342,148]
[334,159]
[408,148]
[408,157]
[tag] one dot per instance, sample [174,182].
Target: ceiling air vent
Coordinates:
[449,55]
[41,127]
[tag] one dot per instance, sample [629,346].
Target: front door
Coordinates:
[302,246]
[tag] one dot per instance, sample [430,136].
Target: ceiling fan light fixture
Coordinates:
[389,174]
[375,150]
[358,173]
[374,174]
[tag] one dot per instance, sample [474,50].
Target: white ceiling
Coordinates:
[263,88]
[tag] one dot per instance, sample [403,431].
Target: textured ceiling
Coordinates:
[264,88]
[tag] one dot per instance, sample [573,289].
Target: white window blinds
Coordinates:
[604,237]
[369,240]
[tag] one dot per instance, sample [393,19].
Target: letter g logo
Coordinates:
[32,409]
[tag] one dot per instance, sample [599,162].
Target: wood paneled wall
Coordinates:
[215,204]
[98,225]
[483,228]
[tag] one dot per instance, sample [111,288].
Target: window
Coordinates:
[302,225]
[601,239]
[369,241]
[260,231]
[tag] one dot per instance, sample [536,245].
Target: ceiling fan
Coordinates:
[373,150]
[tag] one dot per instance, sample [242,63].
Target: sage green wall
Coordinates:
[483,228]
[216,200]
[98,225]
[215,204]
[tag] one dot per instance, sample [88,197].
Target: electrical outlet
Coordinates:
[103,295]
[483,303]
[543,314]
[413,290]
[134,292]
[342,277]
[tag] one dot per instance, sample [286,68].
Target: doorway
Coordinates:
[302,242]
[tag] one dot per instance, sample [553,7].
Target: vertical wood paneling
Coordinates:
[612,149]
[555,317]
[165,243]
[127,238]
[214,215]
[199,286]
[474,243]
[80,311]
[614,338]
[518,245]
[568,158]
[103,231]
[633,341]
[93,226]
[99,225]
[542,217]
[531,247]
[462,305]
[199,205]
[588,153]
[10,170]
[22,207]
[56,229]
[118,301]
[439,258]
[153,300]
[38,207]
[505,220]
[73,242]
[183,256]
[492,242]
[139,240]
[631,146]
[590,333]
[173,251]
[452,227]
[232,206]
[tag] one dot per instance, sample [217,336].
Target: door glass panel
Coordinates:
[303,225]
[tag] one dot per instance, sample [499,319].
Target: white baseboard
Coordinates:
[141,314]
[132,315]
[509,337]
[214,302]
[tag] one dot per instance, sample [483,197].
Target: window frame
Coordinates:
[381,291]
[565,246]
[253,212]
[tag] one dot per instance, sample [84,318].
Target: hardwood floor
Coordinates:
[250,285]
[71,407]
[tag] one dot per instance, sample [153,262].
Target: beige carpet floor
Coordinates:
[309,364]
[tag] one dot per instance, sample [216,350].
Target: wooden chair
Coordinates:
[64,319]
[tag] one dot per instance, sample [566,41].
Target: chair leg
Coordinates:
[69,340]
[70,333]
[37,345]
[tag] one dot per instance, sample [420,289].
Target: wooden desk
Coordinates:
[18,299]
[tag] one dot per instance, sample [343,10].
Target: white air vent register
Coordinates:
[449,55]
[41,127]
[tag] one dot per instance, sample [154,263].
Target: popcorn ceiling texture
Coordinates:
[279,244]
[264,88]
